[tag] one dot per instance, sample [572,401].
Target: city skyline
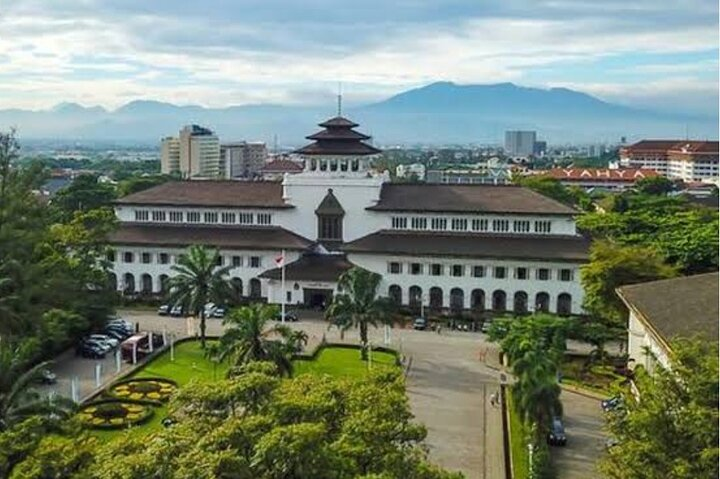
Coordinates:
[220,53]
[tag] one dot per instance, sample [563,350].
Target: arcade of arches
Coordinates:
[519,302]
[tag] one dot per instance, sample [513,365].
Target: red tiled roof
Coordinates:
[451,198]
[312,267]
[651,146]
[695,147]
[600,174]
[228,237]
[282,166]
[233,194]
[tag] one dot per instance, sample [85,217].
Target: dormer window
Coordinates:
[330,219]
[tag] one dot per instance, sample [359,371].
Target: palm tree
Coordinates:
[358,304]
[247,338]
[536,391]
[199,280]
[18,400]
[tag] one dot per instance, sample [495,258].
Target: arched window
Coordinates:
[255,288]
[499,300]
[237,287]
[564,304]
[436,298]
[415,297]
[457,300]
[129,283]
[112,282]
[343,165]
[164,283]
[355,165]
[542,303]
[333,164]
[395,294]
[520,302]
[477,300]
[313,164]
[323,165]
[146,281]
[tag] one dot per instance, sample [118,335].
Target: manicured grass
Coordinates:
[190,363]
[342,362]
[518,443]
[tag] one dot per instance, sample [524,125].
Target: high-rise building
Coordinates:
[170,155]
[243,159]
[520,143]
[195,153]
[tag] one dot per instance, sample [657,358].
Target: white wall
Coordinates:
[640,338]
[554,287]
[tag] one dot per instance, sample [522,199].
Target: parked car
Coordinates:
[556,435]
[485,328]
[112,342]
[117,333]
[101,345]
[611,404]
[219,312]
[122,323]
[46,376]
[90,350]
[289,317]
[420,324]
[163,310]
[177,311]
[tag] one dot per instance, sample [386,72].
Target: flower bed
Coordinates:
[153,389]
[114,413]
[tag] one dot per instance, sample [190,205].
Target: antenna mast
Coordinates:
[339,99]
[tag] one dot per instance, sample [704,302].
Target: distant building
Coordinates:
[539,148]
[661,311]
[482,176]
[406,171]
[520,143]
[600,178]
[686,160]
[170,155]
[194,154]
[243,159]
[277,168]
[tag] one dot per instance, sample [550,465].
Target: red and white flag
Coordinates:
[280,260]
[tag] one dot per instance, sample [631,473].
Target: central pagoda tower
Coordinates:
[338,150]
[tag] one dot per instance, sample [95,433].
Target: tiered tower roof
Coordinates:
[338,139]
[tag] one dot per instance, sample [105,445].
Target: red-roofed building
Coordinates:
[276,169]
[687,160]
[604,178]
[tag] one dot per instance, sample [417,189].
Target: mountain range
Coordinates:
[439,113]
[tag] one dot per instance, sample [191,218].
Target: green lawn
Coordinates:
[518,445]
[342,362]
[190,363]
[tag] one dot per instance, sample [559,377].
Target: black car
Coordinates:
[556,435]
[611,404]
[90,350]
[119,334]
[289,316]
[420,324]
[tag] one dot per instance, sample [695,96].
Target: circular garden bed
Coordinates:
[114,413]
[143,389]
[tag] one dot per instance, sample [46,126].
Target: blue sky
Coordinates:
[660,54]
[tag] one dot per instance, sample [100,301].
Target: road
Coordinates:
[583,426]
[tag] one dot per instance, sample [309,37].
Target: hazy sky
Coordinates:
[659,53]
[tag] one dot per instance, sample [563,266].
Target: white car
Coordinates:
[104,338]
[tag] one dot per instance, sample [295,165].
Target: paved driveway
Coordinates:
[583,425]
[448,387]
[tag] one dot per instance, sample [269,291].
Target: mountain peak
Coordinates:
[71,107]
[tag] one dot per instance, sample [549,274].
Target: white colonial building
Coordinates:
[449,247]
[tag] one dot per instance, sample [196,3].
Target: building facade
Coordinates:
[445,247]
[685,160]
[243,159]
[520,143]
[590,179]
[195,153]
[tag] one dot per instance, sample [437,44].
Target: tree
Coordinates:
[85,193]
[18,401]
[357,305]
[550,187]
[135,184]
[57,457]
[199,280]
[247,338]
[670,430]
[611,266]
[655,185]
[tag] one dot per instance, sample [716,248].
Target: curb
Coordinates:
[582,392]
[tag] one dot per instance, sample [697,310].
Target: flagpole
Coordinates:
[282,288]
